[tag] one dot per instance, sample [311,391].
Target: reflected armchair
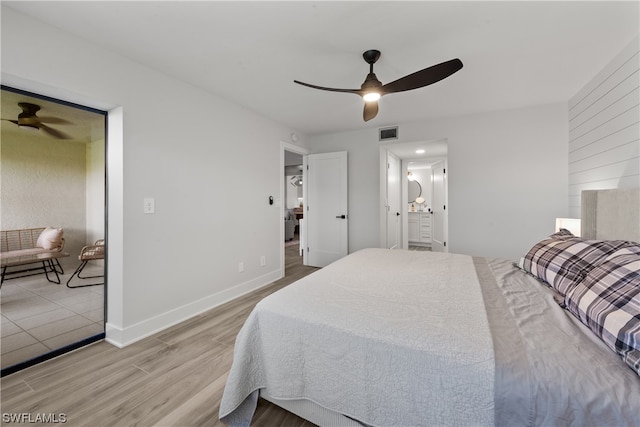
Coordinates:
[88,253]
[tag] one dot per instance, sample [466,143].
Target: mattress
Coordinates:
[419,338]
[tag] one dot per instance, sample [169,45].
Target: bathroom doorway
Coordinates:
[424,184]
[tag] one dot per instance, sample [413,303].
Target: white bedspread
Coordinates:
[375,338]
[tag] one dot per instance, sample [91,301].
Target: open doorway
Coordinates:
[53,182]
[292,204]
[423,186]
[426,189]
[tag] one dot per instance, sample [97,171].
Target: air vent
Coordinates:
[388,133]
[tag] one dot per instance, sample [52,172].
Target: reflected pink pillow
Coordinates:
[50,238]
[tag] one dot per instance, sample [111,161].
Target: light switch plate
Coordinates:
[149,205]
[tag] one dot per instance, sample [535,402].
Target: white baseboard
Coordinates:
[122,337]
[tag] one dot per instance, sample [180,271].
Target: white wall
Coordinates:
[507,173]
[180,146]
[604,136]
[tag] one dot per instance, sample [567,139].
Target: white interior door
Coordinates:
[439,209]
[326,214]
[393,201]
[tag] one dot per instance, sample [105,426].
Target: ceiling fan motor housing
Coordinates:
[371,82]
[28,116]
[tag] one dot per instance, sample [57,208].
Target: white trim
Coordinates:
[382,189]
[122,337]
[286,146]
[115,196]
[390,148]
[114,294]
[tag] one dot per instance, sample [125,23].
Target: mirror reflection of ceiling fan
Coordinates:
[296,180]
[372,89]
[29,120]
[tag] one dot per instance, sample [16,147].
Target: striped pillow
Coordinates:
[563,260]
[608,302]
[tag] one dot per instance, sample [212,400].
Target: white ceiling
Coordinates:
[515,53]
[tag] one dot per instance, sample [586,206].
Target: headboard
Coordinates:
[611,214]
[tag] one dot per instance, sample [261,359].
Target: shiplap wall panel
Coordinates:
[604,129]
[607,171]
[620,82]
[607,121]
[624,136]
[611,156]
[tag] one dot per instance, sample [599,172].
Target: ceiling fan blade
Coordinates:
[12,121]
[356,91]
[424,77]
[53,132]
[54,120]
[370,110]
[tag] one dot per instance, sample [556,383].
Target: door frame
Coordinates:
[405,170]
[399,150]
[382,205]
[384,238]
[114,229]
[445,211]
[286,146]
[18,86]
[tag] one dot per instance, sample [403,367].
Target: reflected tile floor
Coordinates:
[39,316]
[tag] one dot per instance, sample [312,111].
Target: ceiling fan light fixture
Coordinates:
[28,126]
[371,96]
[372,89]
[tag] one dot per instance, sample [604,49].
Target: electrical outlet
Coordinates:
[240,267]
[263,260]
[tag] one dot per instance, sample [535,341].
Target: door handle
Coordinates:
[341,216]
[397,213]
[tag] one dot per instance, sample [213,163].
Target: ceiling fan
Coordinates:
[372,89]
[29,120]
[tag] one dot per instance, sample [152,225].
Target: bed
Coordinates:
[403,338]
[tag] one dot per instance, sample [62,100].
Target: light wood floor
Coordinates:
[174,378]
